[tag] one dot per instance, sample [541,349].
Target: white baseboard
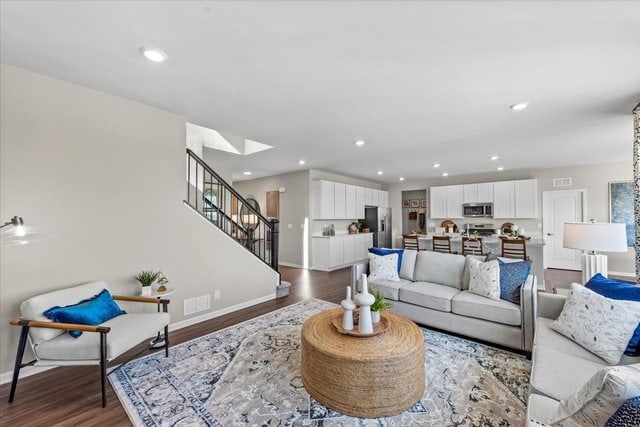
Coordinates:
[621,273]
[32,370]
[290,264]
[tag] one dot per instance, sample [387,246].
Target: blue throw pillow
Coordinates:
[92,311]
[383,251]
[627,415]
[621,290]
[512,277]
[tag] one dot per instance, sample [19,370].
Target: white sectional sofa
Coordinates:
[433,291]
[560,366]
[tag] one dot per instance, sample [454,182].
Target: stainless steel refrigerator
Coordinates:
[379,222]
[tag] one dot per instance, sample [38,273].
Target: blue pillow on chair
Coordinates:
[92,311]
[621,290]
[383,251]
[512,276]
[627,415]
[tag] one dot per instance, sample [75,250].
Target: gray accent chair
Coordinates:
[560,366]
[97,345]
[433,291]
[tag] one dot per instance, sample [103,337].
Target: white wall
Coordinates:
[104,178]
[594,178]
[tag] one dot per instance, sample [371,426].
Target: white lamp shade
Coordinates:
[595,236]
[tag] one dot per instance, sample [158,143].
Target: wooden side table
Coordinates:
[363,377]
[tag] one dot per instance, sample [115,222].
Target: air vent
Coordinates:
[562,182]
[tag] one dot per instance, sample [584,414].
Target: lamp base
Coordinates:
[593,264]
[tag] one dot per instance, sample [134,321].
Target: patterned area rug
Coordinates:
[249,374]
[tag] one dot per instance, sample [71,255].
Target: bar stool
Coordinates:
[410,241]
[442,244]
[514,248]
[472,246]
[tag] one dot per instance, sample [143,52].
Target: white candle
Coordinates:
[365,287]
[348,293]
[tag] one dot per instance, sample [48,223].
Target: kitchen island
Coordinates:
[491,244]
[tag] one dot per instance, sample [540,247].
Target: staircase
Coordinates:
[214,199]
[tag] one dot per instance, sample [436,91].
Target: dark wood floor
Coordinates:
[71,395]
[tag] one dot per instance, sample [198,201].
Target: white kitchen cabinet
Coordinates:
[454,201]
[350,202]
[333,252]
[368,196]
[504,199]
[349,256]
[323,197]
[360,202]
[375,197]
[485,192]
[470,193]
[438,202]
[383,200]
[526,198]
[339,206]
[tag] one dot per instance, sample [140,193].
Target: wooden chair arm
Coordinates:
[55,325]
[140,299]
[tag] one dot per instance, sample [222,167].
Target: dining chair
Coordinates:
[514,248]
[410,241]
[442,244]
[472,246]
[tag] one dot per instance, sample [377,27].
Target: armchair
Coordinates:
[96,346]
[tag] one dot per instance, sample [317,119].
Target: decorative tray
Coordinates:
[378,328]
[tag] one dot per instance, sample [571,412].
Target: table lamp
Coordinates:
[592,237]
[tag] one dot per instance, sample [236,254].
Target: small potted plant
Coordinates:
[379,306]
[146,279]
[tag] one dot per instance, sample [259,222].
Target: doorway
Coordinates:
[559,207]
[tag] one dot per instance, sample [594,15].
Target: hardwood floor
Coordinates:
[71,395]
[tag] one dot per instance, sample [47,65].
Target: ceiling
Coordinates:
[420,82]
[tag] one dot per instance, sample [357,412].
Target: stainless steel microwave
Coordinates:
[477,210]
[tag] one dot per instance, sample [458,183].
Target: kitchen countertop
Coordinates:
[320,236]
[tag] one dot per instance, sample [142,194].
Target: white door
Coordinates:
[560,207]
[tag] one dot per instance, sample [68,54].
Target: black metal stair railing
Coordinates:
[214,199]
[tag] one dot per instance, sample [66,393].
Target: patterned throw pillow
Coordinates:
[512,276]
[601,325]
[383,267]
[599,398]
[626,415]
[484,278]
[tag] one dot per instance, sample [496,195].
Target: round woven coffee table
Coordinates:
[363,377]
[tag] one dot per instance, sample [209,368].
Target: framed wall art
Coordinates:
[621,207]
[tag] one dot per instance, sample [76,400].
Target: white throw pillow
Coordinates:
[601,325]
[598,399]
[484,278]
[383,267]
[409,257]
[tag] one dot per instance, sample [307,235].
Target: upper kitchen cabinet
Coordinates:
[504,199]
[455,195]
[351,202]
[360,202]
[470,193]
[339,204]
[485,192]
[383,199]
[438,202]
[368,196]
[526,198]
[323,197]
[375,197]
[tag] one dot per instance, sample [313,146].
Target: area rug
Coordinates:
[249,374]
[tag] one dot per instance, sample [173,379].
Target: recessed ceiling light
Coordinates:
[436,165]
[520,106]
[301,162]
[494,158]
[359,143]
[445,174]
[500,168]
[247,172]
[153,54]
[401,178]
[379,172]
